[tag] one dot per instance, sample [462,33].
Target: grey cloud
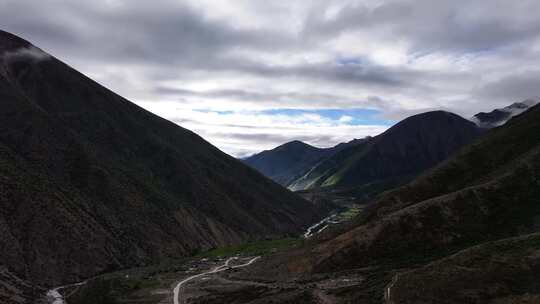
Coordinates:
[170,41]
[277,139]
[291,98]
[453,26]
[164,32]
[514,87]
[175,36]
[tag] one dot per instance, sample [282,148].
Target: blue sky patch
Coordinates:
[358,116]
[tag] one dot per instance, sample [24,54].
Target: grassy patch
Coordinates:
[348,214]
[253,248]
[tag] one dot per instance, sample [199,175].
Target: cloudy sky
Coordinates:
[248,75]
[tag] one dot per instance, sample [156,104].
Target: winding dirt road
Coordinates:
[176,291]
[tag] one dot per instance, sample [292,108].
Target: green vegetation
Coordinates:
[254,248]
[348,214]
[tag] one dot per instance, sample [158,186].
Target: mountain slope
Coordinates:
[505,271]
[411,146]
[291,160]
[282,164]
[91,182]
[466,231]
[499,117]
[488,191]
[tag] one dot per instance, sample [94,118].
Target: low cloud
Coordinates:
[29,53]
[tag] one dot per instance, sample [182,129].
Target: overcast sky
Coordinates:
[250,75]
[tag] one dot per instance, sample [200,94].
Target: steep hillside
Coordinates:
[90,182]
[286,163]
[504,271]
[411,146]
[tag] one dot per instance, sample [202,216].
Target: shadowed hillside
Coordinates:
[91,182]
[405,150]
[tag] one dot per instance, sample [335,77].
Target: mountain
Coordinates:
[291,160]
[499,117]
[403,151]
[284,163]
[466,231]
[90,182]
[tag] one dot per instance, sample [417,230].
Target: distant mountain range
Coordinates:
[499,117]
[90,182]
[290,161]
[467,231]
[373,164]
[368,166]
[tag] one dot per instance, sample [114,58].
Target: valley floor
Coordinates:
[204,276]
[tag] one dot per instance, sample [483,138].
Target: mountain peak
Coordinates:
[499,117]
[431,119]
[10,42]
[296,143]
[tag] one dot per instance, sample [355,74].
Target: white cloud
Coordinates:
[32,53]
[246,132]
[345,119]
[234,59]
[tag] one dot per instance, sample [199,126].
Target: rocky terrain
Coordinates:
[92,183]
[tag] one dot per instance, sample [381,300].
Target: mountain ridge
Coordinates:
[465,231]
[398,154]
[92,182]
[289,161]
[499,117]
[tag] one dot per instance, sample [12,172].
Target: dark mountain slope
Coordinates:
[505,271]
[411,146]
[13,290]
[286,163]
[90,182]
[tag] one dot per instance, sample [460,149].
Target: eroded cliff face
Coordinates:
[91,182]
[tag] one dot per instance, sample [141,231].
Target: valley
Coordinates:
[177,281]
[269,152]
